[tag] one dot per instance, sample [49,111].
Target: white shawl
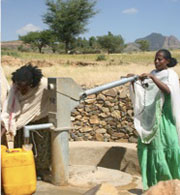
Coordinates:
[19,110]
[148,103]
[4,86]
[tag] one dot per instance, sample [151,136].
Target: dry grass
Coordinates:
[110,70]
[91,75]
[95,75]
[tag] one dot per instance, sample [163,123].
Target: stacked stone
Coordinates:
[106,116]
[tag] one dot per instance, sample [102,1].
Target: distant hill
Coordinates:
[11,44]
[131,47]
[171,42]
[158,41]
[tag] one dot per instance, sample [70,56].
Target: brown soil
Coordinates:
[12,61]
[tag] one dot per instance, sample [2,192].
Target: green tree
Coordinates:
[144,45]
[36,39]
[93,42]
[81,43]
[68,18]
[52,40]
[112,43]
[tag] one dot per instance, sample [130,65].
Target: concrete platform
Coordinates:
[84,178]
[112,155]
[45,188]
[93,163]
[89,176]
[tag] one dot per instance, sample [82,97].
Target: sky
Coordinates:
[132,19]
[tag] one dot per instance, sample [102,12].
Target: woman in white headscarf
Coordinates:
[156,102]
[27,100]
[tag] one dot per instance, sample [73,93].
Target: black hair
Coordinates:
[167,56]
[27,73]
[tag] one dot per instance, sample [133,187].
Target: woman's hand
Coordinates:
[145,76]
[130,75]
[3,130]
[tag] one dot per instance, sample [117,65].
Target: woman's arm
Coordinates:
[162,86]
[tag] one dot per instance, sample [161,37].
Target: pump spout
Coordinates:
[100,88]
[28,128]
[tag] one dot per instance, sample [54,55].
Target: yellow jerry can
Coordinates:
[3,148]
[18,171]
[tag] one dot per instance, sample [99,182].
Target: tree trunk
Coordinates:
[66,46]
[40,49]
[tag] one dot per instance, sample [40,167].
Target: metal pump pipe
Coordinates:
[107,86]
[28,128]
[64,96]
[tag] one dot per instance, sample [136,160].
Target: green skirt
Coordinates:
[160,160]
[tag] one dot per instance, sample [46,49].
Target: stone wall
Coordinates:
[107,116]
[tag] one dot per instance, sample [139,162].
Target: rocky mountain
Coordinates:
[158,41]
[171,42]
[132,47]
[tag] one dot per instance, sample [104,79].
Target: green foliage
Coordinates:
[84,46]
[52,40]
[144,45]
[67,19]
[37,39]
[81,43]
[93,42]
[21,48]
[112,43]
[101,58]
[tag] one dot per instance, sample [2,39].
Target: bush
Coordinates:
[101,58]
[21,48]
